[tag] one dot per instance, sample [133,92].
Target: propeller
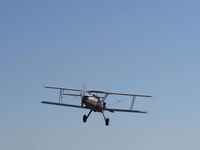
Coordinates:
[83,92]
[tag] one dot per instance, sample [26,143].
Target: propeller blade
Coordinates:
[83,92]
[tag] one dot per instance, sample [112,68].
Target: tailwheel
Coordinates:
[84,118]
[107,121]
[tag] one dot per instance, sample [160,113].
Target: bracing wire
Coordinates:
[117,102]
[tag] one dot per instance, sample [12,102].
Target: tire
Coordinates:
[107,121]
[84,118]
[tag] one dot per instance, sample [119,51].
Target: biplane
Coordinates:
[90,100]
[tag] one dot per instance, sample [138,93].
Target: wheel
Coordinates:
[84,118]
[107,121]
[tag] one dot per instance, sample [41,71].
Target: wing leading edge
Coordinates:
[62,104]
[61,88]
[96,91]
[124,110]
[105,109]
[117,93]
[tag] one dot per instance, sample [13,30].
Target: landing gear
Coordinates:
[107,120]
[85,117]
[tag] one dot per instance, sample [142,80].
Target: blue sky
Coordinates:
[148,47]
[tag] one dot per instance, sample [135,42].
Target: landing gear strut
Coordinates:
[107,120]
[85,117]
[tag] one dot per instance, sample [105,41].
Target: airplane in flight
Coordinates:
[90,100]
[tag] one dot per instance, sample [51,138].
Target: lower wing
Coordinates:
[105,109]
[61,104]
[124,110]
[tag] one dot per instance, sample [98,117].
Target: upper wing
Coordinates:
[55,87]
[103,92]
[61,104]
[116,93]
[124,110]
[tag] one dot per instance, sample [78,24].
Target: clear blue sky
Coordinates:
[149,47]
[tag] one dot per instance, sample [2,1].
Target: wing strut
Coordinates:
[132,103]
[105,96]
[61,96]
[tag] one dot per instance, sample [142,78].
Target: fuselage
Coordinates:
[93,102]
